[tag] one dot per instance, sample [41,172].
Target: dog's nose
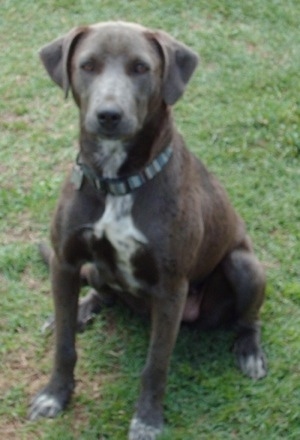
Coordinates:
[109,118]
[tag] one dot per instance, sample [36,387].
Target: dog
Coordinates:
[140,218]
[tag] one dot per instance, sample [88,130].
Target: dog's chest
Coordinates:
[117,240]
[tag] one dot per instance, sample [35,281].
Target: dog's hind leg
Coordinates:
[247,278]
[97,297]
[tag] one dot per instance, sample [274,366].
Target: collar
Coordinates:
[119,186]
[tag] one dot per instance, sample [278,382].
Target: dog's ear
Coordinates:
[56,57]
[179,64]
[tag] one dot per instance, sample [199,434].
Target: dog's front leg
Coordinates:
[55,396]
[166,316]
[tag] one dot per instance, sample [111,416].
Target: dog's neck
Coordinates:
[117,158]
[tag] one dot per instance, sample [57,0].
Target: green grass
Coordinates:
[241,115]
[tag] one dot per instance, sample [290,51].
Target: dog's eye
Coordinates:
[88,66]
[140,68]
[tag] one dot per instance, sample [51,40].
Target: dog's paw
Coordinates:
[48,326]
[52,399]
[253,365]
[249,354]
[141,431]
[44,405]
[89,306]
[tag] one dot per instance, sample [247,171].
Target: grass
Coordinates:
[241,116]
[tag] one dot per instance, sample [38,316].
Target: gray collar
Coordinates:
[119,186]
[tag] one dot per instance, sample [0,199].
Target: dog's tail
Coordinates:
[45,252]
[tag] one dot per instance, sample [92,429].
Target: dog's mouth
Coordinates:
[122,133]
[111,135]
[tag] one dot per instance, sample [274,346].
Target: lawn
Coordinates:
[241,115]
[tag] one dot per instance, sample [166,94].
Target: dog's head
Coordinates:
[117,72]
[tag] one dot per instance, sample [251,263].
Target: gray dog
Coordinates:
[140,218]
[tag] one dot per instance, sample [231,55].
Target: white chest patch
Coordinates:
[116,225]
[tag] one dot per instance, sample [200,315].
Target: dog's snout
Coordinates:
[109,118]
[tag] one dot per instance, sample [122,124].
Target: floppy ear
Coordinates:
[179,64]
[56,57]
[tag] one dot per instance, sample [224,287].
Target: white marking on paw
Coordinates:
[44,406]
[140,431]
[253,366]
[48,325]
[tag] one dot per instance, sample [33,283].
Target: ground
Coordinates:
[240,114]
